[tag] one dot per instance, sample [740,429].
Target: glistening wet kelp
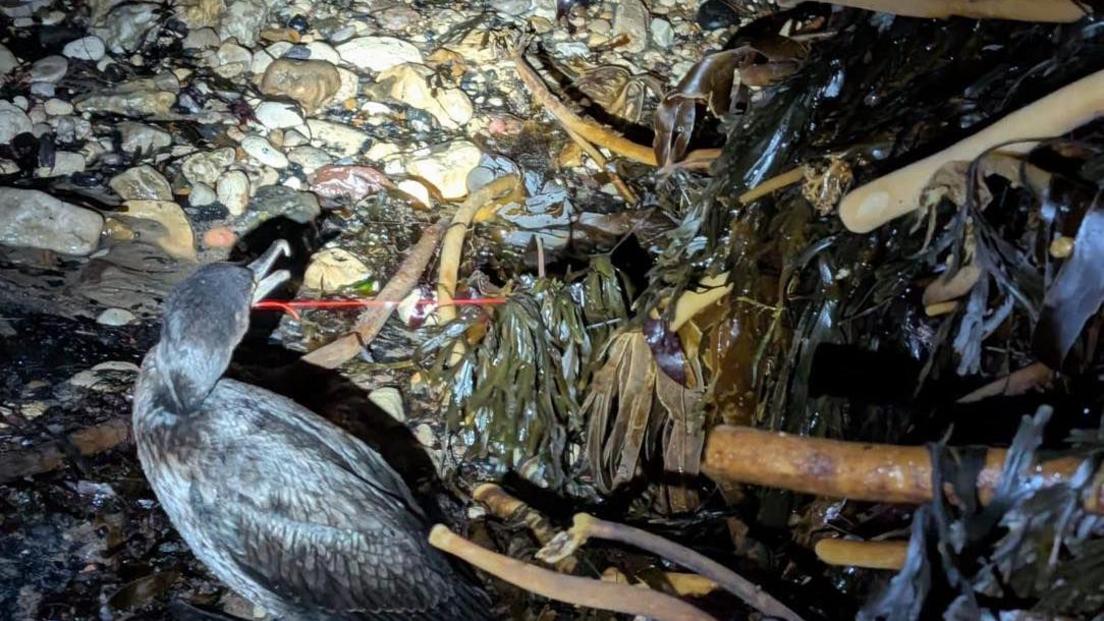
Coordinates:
[514,395]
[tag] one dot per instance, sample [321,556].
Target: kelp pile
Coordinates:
[762,308]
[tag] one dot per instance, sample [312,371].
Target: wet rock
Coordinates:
[277,115]
[398,18]
[202,195]
[445,166]
[320,50]
[309,158]
[125,28]
[110,376]
[378,53]
[207,166]
[715,14]
[33,219]
[115,317]
[141,183]
[663,35]
[202,39]
[165,224]
[8,61]
[232,60]
[57,107]
[311,83]
[410,84]
[243,20]
[337,138]
[272,201]
[65,163]
[233,192]
[134,104]
[13,121]
[49,69]
[631,19]
[197,14]
[86,48]
[138,138]
[262,150]
[333,269]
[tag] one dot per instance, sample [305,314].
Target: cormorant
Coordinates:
[285,508]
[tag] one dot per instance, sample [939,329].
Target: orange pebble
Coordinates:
[219,237]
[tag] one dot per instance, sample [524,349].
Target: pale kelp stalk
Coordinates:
[513,399]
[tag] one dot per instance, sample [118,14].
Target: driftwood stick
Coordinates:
[50,456]
[867,554]
[371,321]
[571,589]
[855,470]
[588,527]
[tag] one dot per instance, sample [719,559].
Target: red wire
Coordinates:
[290,306]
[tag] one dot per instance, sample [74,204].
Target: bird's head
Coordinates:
[205,318]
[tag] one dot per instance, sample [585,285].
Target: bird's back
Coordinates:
[297,515]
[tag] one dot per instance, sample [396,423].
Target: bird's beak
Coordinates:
[263,281]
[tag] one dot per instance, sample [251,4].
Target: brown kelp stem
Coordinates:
[1059,11]
[587,526]
[571,589]
[590,131]
[868,554]
[506,507]
[855,470]
[371,321]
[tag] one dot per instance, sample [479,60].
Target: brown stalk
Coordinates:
[1058,11]
[50,456]
[505,507]
[452,249]
[777,182]
[590,131]
[571,589]
[855,470]
[589,527]
[371,321]
[867,554]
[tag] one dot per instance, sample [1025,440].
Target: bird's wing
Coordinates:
[318,518]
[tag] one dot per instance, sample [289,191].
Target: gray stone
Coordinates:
[34,219]
[86,48]
[141,183]
[310,158]
[125,28]
[631,19]
[273,201]
[202,195]
[13,121]
[65,163]
[262,150]
[242,21]
[8,61]
[49,69]
[233,191]
[662,33]
[340,139]
[134,104]
[378,53]
[138,138]
[277,115]
[115,317]
[207,166]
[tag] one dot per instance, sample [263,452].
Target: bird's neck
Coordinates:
[176,382]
